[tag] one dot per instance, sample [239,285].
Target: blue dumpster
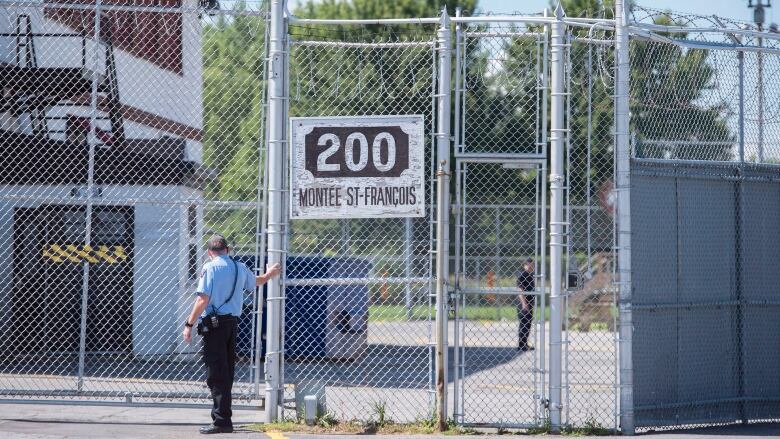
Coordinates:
[321,321]
[245,325]
[326,321]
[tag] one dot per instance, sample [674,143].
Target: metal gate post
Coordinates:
[442,215]
[557,196]
[622,187]
[276,142]
[261,218]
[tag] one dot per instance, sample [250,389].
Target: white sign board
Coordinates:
[357,167]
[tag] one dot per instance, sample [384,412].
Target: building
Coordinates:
[132,101]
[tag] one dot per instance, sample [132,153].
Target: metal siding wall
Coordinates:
[761,281]
[654,243]
[707,335]
[684,252]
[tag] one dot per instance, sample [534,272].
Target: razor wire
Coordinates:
[694,79]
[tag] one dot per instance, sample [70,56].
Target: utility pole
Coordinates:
[758,18]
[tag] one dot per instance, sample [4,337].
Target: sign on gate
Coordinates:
[357,167]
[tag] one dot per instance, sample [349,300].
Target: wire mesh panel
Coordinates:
[590,373]
[687,327]
[127,133]
[357,309]
[692,98]
[501,347]
[500,98]
[502,68]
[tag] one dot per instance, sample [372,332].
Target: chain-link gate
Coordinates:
[358,312]
[500,224]
[127,133]
[501,227]
[590,337]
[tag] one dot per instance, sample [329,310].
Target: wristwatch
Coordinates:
[187,324]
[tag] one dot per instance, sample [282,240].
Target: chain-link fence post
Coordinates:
[557,222]
[741,116]
[261,219]
[91,140]
[276,143]
[442,215]
[622,187]
[408,236]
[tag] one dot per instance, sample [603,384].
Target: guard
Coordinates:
[218,303]
[526,283]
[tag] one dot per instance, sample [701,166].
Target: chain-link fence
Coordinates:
[590,374]
[358,319]
[500,183]
[704,211]
[130,131]
[127,133]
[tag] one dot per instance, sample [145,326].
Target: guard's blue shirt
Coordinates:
[216,279]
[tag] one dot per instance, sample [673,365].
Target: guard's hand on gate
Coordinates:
[273,270]
[187,334]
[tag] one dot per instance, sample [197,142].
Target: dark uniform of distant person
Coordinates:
[220,294]
[526,282]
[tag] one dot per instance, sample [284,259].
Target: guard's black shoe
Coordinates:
[215,429]
[527,348]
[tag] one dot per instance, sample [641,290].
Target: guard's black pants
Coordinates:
[219,356]
[525,318]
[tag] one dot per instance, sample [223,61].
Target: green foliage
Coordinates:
[379,414]
[545,428]
[328,420]
[591,427]
[233,50]
[430,424]
[357,9]
[397,313]
[669,85]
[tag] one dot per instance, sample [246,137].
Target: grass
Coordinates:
[422,427]
[397,313]
[591,427]
[360,427]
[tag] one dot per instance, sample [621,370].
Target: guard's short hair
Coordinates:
[528,261]
[217,243]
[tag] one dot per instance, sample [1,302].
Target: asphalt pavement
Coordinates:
[38,421]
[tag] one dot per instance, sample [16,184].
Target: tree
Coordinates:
[671,115]
[365,79]
[670,105]
[668,84]
[233,51]
[669,94]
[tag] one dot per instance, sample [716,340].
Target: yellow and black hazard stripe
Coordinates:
[79,253]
